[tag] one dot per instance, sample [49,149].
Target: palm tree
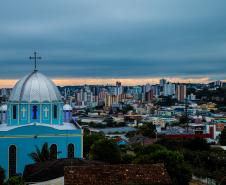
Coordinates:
[2,175]
[40,155]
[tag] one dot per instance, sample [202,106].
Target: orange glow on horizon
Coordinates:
[8,83]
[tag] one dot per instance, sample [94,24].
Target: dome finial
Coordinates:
[35,57]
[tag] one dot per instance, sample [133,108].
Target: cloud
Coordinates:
[104,81]
[114,39]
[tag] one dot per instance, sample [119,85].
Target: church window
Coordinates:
[12,160]
[14,111]
[70,151]
[34,112]
[55,111]
[53,151]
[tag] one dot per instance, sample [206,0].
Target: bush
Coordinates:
[179,144]
[106,150]
[148,130]
[222,139]
[16,180]
[2,175]
[89,140]
[178,170]
[127,158]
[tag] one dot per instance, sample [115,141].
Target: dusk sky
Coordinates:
[100,41]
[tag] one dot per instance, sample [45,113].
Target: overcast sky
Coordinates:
[114,38]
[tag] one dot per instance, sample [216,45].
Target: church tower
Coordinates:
[35,117]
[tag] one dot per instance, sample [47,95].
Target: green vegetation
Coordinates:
[106,150]
[181,157]
[40,155]
[2,175]
[181,144]
[16,180]
[174,162]
[147,130]
[204,161]
[217,96]
[222,139]
[98,148]
[89,140]
[126,109]
[166,101]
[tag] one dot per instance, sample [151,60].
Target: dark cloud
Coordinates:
[99,38]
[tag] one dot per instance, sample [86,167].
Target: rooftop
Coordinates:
[35,87]
[64,126]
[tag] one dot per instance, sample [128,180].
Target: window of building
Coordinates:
[55,111]
[14,111]
[70,151]
[53,151]
[35,112]
[12,160]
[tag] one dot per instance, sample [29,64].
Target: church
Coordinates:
[34,116]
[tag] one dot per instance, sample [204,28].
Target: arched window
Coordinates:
[12,160]
[14,111]
[35,112]
[55,111]
[53,151]
[70,151]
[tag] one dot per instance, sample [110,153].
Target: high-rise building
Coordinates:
[118,88]
[84,97]
[191,97]
[111,99]
[181,92]
[169,89]
[163,82]
[149,96]
[156,90]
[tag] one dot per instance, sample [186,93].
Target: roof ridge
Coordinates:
[40,98]
[50,97]
[23,86]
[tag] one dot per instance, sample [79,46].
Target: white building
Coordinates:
[169,89]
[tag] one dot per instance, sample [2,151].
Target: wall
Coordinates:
[25,138]
[24,113]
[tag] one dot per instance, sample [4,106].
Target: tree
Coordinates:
[183,119]
[130,134]
[196,144]
[2,175]
[180,144]
[40,155]
[127,108]
[222,139]
[166,101]
[15,180]
[105,150]
[148,130]
[178,170]
[89,140]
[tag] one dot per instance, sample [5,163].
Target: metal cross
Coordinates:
[35,57]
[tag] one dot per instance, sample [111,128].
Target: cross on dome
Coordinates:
[35,57]
[46,110]
[23,110]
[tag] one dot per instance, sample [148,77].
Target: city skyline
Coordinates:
[113,92]
[126,82]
